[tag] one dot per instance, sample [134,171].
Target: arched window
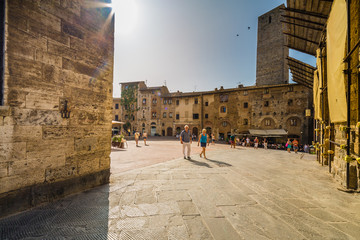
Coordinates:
[224,124]
[223,109]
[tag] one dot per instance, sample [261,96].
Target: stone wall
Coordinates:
[271,66]
[56,51]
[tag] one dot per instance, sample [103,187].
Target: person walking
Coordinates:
[248,142]
[256,143]
[185,140]
[137,138]
[203,140]
[213,138]
[145,138]
[295,144]
[232,141]
[265,144]
[288,145]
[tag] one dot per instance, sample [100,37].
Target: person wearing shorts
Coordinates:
[232,141]
[288,145]
[203,140]
[145,137]
[295,144]
[256,143]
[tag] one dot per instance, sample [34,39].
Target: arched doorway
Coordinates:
[195,131]
[153,129]
[169,132]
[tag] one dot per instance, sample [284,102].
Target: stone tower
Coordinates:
[271,66]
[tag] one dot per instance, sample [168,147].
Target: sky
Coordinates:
[189,45]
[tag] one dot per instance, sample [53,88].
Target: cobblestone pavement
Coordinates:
[235,194]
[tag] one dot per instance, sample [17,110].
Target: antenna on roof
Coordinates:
[145,81]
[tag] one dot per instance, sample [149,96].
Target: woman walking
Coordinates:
[203,141]
[288,145]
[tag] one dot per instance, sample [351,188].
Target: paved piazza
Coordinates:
[236,194]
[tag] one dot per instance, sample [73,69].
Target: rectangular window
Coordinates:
[290,102]
[245,93]
[177,116]
[165,101]
[291,89]
[144,101]
[246,105]
[246,122]
[164,115]
[267,122]
[223,109]
[196,101]
[206,103]
[154,101]
[153,114]
[293,122]
[206,115]
[266,91]
[177,102]
[2,50]
[116,117]
[266,104]
[116,106]
[170,115]
[170,101]
[195,116]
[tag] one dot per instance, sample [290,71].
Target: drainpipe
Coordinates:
[348,95]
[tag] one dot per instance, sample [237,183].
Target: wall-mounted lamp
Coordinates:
[65,113]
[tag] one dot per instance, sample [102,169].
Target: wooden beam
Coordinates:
[304,20]
[313,14]
[301,77]
[301,63]
[302,82]
[301,38]
[302,50]
[304,26]
[311,75]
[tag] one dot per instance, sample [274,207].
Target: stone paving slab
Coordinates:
[235,194]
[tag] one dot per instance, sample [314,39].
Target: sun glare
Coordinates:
[126,14]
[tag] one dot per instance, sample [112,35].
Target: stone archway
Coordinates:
[195,131]
[169,131]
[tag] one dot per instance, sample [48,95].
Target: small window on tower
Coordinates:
[269,19]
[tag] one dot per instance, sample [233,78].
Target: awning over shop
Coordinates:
[117,123]
[302,73]
[268,133]
[304,23]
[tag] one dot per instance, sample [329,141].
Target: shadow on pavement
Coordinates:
[202,164]
[80,216]
[219,163]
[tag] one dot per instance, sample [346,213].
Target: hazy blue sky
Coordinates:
[192,44]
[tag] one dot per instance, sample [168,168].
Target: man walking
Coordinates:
[185,140]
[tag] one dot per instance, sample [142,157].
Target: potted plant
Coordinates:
[116,141]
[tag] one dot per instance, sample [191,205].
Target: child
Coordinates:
[203,140]
[288,145]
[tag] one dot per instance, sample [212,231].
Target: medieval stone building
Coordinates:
[223,111]
[56,100]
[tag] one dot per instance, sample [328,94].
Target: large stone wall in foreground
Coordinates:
[56,51]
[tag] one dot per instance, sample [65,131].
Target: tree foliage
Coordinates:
[129,100]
